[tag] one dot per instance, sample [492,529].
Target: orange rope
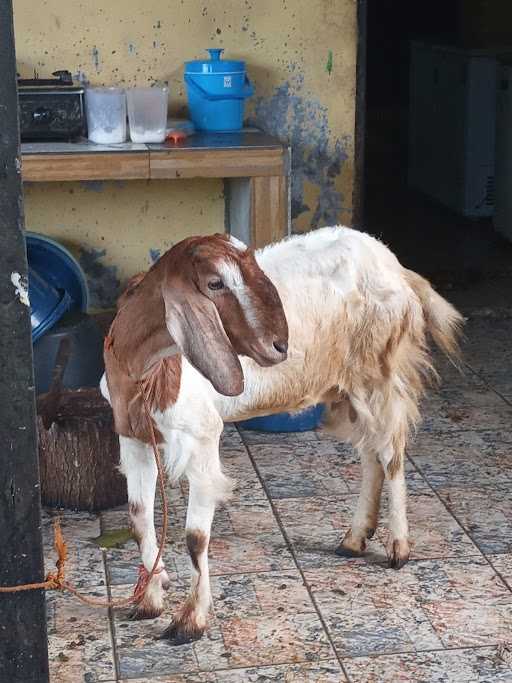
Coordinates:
[56,580]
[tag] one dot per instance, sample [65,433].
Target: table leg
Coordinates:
[257,209]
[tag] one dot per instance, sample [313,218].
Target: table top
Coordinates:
[249,139]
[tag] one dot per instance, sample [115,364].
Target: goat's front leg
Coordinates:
[364,521]
[207,486]
[139,467]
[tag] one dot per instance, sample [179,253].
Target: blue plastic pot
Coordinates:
[58,267]
[217,90]
[47,304]
[304,421]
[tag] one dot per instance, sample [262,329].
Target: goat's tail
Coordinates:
[444,322]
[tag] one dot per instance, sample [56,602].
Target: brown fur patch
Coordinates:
[161,384]
[395,464]
[197,542]
[174,294]
[135,509]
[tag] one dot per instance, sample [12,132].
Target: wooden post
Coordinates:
[269,209]
[23,641]
[358,194]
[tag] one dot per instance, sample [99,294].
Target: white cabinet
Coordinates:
[452,126]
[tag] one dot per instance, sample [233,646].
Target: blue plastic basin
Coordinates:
[47,304]
[304,421]
[216,91]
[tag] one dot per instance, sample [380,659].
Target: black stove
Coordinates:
[51,108]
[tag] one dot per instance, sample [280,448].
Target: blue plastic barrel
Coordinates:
[304,421]
[47,304]
[217,90]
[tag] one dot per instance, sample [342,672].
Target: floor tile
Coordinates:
[426,605]
[79,642]
[457,418]
[310,469]
[485,512]
[247,553]
[328,671]
[465,458]
[198,677]
[482,665]
[256,641]
[260,594]
[503,565]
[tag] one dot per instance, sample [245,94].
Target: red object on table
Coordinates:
[176,136]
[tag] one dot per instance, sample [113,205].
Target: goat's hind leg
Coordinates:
[398,543]
[139,467]
[365,518]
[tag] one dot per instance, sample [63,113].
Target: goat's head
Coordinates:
[218,304]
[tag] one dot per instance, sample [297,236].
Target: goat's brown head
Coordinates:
[219,304]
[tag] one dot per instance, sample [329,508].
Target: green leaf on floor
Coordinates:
[115,538]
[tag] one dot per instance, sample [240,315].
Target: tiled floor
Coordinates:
[287,608]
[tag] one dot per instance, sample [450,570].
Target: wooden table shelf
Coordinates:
[255,167]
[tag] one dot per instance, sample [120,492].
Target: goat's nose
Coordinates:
[281,346]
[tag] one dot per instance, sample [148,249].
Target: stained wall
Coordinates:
[301,57]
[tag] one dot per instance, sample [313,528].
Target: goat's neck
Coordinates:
[139,336]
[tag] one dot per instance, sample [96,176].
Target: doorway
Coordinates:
[464,256]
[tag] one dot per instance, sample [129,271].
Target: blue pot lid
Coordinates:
[214,65]
[57,266]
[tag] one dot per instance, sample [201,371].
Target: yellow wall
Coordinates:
[301,56]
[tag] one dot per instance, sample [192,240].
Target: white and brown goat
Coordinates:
[215,332]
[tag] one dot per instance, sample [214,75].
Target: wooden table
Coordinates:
[254,166]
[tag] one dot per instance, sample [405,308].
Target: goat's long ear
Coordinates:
[195,326]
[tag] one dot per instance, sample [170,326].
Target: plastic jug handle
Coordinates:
[247,91]
[215,53]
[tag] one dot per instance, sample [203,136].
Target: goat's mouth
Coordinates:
[267,355]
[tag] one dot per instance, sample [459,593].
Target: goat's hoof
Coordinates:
[341,551]
[142,611]
[399,554]
[177,634]
[151,605]
[350,546]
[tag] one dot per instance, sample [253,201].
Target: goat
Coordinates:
[215,332]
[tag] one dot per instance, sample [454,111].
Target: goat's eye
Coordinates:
[215,284]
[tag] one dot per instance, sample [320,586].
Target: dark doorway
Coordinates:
[464,255]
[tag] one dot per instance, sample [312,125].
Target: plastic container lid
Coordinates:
[214,65]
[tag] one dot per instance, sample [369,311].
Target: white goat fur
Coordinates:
[357,342]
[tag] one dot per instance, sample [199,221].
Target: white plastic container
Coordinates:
[147,113]
[106,115]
